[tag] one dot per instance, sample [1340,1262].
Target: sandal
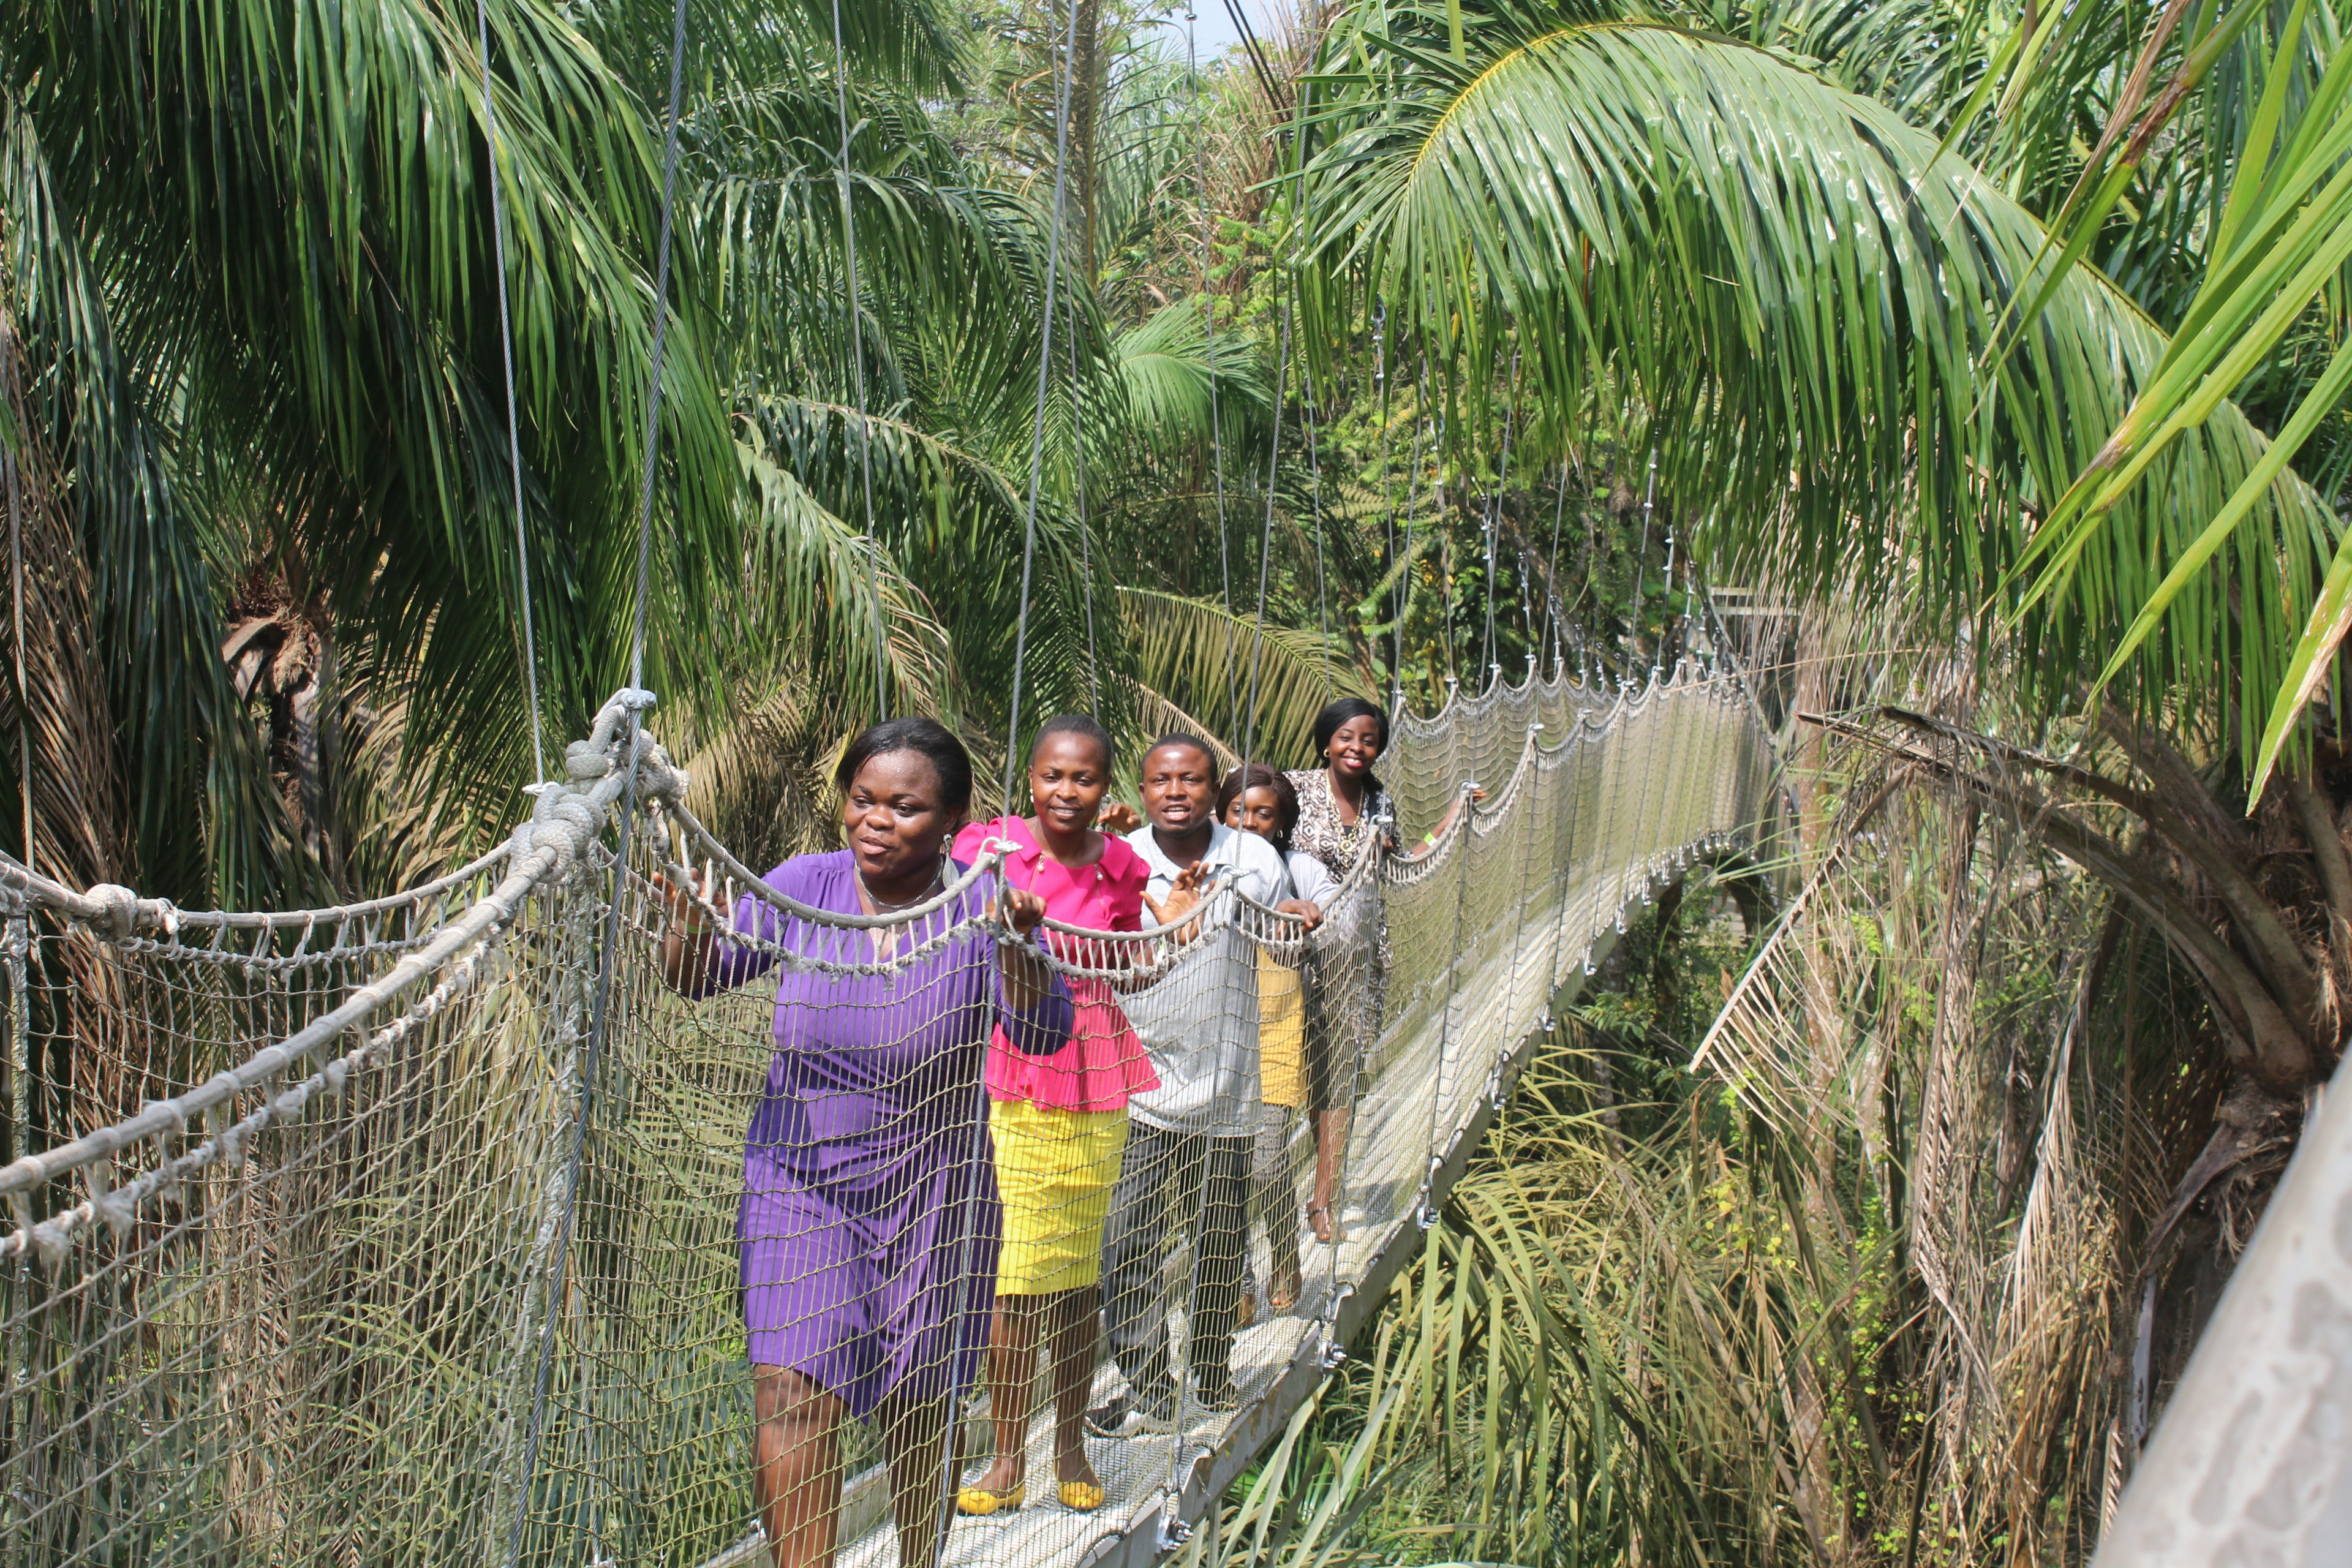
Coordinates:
[979,1502]
[1285,1294]
[1081,1497]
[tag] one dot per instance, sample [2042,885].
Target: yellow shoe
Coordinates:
[1081,1497]
[979,1502]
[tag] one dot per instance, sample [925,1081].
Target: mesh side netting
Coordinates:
[351,1237]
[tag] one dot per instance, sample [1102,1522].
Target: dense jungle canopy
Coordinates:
[1994,358]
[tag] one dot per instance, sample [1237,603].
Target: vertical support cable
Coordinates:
[18,938]
[1046,311]
[19,934]
[1265,536]
[1553,607]
[16,944]
[1666,616]
[1411,511]
[1274,452]
[637,699]
[1527,612]
[1493,660]
[1641,565]
[1038,423]
[16,634]
[1530,801]
[857,370]
[506,357]
[1387,490]
[1216,374]
[1085,552]
[1315,480]
[1563,852]
[1465,816]
[1445,541]
[1587,655]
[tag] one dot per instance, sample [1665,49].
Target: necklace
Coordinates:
[885,939]
[883,906]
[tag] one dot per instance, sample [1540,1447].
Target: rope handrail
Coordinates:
[105,907]
[562,829]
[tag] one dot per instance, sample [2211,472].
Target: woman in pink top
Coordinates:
[1058,1122]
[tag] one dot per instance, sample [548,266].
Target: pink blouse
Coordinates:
[1103,1062]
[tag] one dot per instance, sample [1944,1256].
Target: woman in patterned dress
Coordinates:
[1338,804]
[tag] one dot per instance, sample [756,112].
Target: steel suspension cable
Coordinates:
[1388,492]
[1411,511]
[1641,565]
[1209,322]
[949,1460]
[506,357]
[1444,534]
[1265,534]
[857,369]
[23,713]
[1665,615]
[1314,493]
[1045,380]
[1527,610]
[601,1007]
[1274,451]
[17,938]
[1584,650]
[661,345]
[1495,519]
[1552,610]
[1086,554]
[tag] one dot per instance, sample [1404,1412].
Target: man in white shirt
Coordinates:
[1189,1141]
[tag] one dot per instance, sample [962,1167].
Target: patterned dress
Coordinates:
[1341,1029]
[1321,833]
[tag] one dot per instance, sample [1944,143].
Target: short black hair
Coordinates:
[927,736]
[1184,738]
[1076,724]
[1257,776]
[1339,711]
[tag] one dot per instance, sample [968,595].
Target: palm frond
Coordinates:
[1204,661]
[1800,290]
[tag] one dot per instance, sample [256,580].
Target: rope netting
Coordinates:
[345,1235]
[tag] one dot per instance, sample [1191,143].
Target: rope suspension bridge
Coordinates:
[324,1193]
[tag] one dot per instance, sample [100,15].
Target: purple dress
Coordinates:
[869,1226]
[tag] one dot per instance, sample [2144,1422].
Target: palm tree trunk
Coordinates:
[1085,101]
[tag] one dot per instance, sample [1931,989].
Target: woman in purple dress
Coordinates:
[868,1225]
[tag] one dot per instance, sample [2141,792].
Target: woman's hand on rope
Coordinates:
[686,935]
[1023,910]
[1118,816]
[1445,823]
[1027,978]
[1308,914]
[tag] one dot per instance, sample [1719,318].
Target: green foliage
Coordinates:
[1817,302]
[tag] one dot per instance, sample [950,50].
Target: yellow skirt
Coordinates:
[1055,1170]
[1281,1031]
